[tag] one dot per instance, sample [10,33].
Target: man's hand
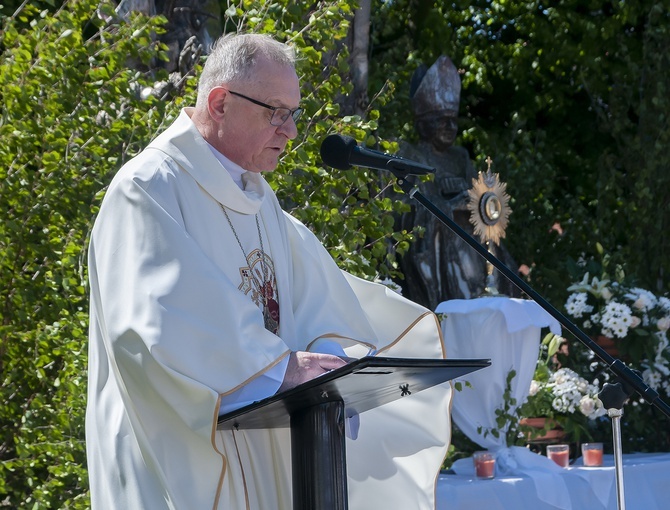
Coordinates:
[305,366]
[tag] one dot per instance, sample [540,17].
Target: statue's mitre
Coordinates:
[437,89]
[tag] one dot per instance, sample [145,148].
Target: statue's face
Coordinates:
[440,129]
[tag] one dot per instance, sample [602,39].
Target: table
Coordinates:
[646,485]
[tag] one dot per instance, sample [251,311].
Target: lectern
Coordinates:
[316,410]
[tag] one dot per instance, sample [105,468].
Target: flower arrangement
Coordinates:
[565,399]
[614,310]
[635,319]
[609,306]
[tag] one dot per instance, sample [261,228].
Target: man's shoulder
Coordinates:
[161,158]
[148,168]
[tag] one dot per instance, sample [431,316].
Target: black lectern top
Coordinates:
[363,384]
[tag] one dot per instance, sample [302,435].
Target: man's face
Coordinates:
[440,129]
[245,134]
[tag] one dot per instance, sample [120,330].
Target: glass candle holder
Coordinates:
[559,453]
[485,465]
[592,454]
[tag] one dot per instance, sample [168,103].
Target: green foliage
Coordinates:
[506,417]
[71,114]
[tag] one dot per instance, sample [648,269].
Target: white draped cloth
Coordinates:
[505,330]
[172,333]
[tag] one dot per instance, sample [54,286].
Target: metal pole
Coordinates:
[616,414]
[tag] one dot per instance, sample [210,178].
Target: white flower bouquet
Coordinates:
[635,319]
[565,399]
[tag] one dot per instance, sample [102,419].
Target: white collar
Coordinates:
[235,170]
[185,145]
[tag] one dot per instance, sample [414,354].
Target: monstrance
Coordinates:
[489,214]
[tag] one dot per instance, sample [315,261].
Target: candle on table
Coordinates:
[559,453]
[592,454]
[485,464]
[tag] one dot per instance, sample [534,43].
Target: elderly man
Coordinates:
[206,296]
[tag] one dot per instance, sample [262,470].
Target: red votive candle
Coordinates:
[559,453]
[485,465]
[592,454]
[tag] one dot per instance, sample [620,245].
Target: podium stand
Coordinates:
[316,410]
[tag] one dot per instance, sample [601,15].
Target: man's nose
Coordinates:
[288,129]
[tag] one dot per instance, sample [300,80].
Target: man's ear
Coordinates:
[216,103]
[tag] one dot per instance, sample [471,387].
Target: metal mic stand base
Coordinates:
[615,415]
[613,397]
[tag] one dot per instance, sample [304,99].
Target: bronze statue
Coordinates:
[439,265]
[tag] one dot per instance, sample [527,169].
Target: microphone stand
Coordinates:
[631,380]
[613,397]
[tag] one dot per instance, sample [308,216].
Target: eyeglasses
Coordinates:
[279,114]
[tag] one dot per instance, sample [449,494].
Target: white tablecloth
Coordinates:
[646,487]
[502,329]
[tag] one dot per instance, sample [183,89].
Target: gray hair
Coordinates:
[234,56]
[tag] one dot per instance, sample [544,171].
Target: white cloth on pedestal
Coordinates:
[505,330]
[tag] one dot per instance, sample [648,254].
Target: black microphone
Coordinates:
[343,152]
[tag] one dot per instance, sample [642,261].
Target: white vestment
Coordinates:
[172,333]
